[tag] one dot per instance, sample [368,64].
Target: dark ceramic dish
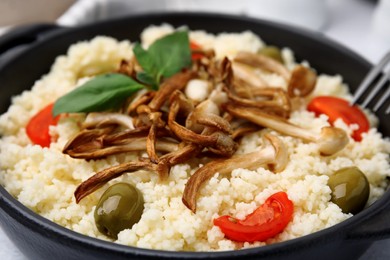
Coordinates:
[28,54]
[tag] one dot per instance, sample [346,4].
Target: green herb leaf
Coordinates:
[147,80]
[100,93]
[165,57]
[147,62]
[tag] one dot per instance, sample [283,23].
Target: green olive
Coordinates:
[119,208]
[350,189]
[272,52]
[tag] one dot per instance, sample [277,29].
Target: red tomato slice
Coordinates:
[37,128]
[265,222]
[194,46]
[335,108]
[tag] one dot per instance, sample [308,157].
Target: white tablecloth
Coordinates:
[349,22]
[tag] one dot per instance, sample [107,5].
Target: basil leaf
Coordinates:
[146,61]
[171,53]
[166,56]
[100,93]
[147,79]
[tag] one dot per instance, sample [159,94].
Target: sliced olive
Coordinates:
[119,208]
[350,189]
[272,52]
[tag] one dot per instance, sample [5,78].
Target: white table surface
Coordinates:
[350,23]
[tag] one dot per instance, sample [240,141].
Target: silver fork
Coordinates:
[369,79]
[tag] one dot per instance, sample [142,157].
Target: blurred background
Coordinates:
[361,25]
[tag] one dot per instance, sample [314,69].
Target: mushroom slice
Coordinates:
[225,72]
[271,100]
[136,144]
[126,136]
[245,73]
[207,114]
[97,119]
[224,146]
[184,152]
[176,82]
[216,122]
[99,179]
[210,137]
[151,140]
[273,154]
[238,79]
[263,62]
[329,141]
[302,81]
[243,130]
[184,133]
[212,70]
[140,100]
[98,143]
[87,140]
[242,88]
[151,144]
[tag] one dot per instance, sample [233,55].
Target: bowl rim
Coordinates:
[13,205]
[43,224]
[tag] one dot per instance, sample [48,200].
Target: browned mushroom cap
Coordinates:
[224,145]
[302,81]
[270,100]
[264,62]
[99,179]
[273,154]
[330,141]
[206,114]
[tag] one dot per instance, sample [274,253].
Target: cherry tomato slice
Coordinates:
[37,128]
[265,222]
[335,108]
[194,47]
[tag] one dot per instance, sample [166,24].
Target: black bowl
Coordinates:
[28,54]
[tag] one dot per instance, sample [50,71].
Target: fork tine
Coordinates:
[382,100]
[376,89]
[370,77]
